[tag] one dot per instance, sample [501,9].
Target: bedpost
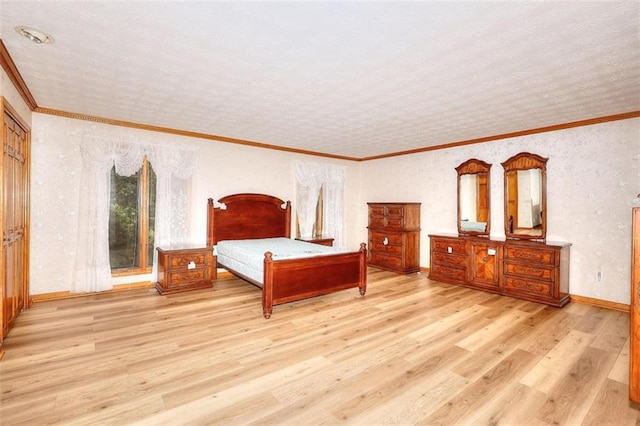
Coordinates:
[363,269]
[288,220]
[267,286]
[210,223]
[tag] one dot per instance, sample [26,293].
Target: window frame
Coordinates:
[143,212]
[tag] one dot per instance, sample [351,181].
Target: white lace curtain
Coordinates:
[310,177]
[173,167]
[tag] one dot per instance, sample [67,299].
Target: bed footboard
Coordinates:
[296,279]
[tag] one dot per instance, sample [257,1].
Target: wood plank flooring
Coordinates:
[412,351]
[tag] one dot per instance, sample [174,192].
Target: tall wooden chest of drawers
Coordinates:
[185,267]
[394,236]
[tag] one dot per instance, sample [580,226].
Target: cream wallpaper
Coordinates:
[222,169]
[593,174]
[9,92]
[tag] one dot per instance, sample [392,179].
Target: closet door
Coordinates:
[14,218]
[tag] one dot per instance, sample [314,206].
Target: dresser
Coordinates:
[394,236]
[634,337]
[528,270]
[185,267]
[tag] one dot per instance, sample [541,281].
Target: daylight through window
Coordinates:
[132,221]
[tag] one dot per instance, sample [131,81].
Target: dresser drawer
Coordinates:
[448,272]
[528,271]
[386,222]
[379,237]
[395,222]
[187,276]
[376,210]
[529,255]
[378,247]
[379,259]
[518,285]
[448,259]
[449,246]
[395,210]
[183,260]
[377,221]
[386,210]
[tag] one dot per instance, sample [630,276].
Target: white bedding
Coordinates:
[247,256]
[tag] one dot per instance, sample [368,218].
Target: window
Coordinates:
[132,221]
[318,218]
[320,208]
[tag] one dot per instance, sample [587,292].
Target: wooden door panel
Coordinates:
[485,264]
[14,286]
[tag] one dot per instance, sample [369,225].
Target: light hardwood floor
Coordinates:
[412,351]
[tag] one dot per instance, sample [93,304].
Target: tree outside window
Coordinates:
[132,221]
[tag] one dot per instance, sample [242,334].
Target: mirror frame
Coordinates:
[475,167]
[526,161]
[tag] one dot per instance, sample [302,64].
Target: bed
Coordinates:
[283,279]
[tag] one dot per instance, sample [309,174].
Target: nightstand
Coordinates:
[318,240]
[185,267]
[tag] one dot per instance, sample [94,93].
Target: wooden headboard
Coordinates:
[248,216]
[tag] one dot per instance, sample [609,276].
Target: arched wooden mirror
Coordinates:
[525,197]
[474,213]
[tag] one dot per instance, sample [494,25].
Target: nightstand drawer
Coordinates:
[183,261]
[318,240]
[187,276]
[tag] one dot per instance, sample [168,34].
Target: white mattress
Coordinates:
[247,256]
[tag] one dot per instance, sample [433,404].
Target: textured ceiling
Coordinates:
[353,79]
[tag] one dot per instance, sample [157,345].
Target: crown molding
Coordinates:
[14,75]
[556,127]
[553,128]
[159,129]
